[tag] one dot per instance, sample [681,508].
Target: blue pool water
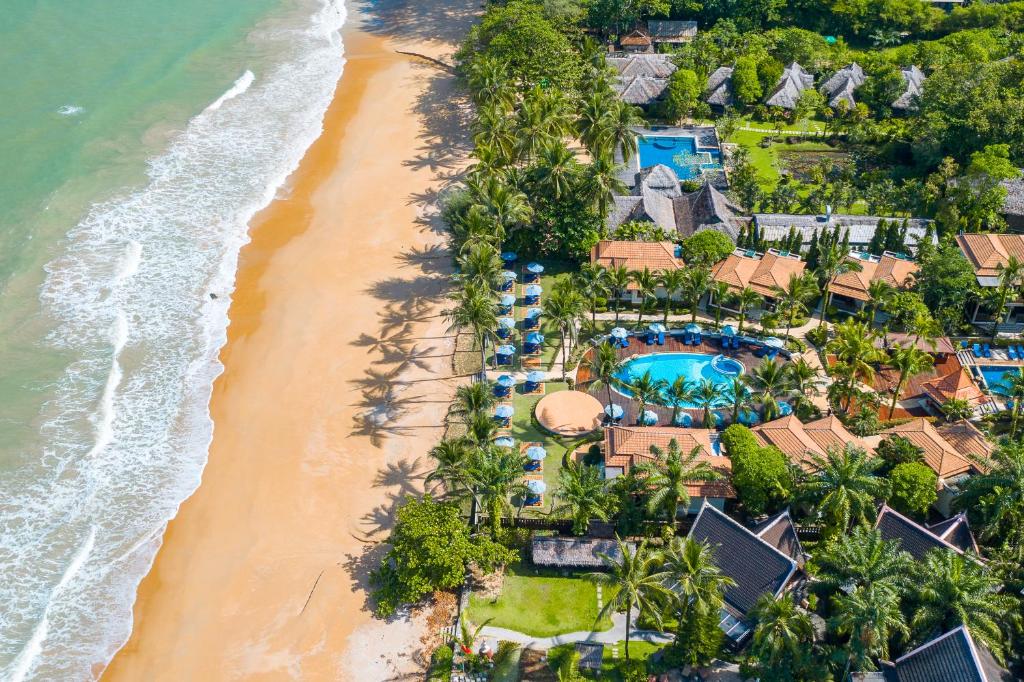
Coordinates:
[994,376]
[667,366]
[658,149]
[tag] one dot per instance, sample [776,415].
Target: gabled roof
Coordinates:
[719,87]
[667,31]
[636,38]
[966,439]
[574,552]
[957,532]
[939,345]
[780,533]
[707,208]
[627,446]
[753,563]
[958,384]
[799,441]
[761,272]
[913,79]
[987,253]
[953,656]
[650,65]
[861,228]
[942,457]
[1013,205]
[912,536]
[890,268]
[641,90]
[656,256]
[841,85]
[792,83]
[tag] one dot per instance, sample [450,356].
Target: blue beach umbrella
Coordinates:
[505,442]
[614,411]
[508,299]
[620,333]
[728,330]
[535,268]
[505,350]
[509,256]
[506,381]
[684,419]
[534,290]
[719,419]
[693,328]
[774,342]
[535,338]
[504,411]
[536,486]
[506,323]
[535,377]
[650,418]
[748,417]
[533,313]
[536,453]
[785,409]
[656,327]
[509,276]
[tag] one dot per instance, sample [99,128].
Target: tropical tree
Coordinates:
[495,475]
[476,311]
[603,365]
[634,581]
[590,122]
[738,395]
[782,637]
[490,82]
[995,497]
[861,558]
[745,299]
[677,394]
[770,381]
[476,228]
[707,396]
[719,292]
[475,398]
[696,280]
[794,296]
[832,262]
[855,352]
[450,456]
[601,183]
[557,167]
[564,306]
[880,293]
[617,129]
[618,281]
[506,204]
[956,409]
[672,281]
[592,280]
[871,617]
[803,377]
[646,284]
[669,474]
[909,362]
[581,496]
[1013,387]
[1011,275]
[843,487]
[481,428]
[646,390]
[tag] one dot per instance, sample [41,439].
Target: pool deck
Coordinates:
[706,139]
[710,346]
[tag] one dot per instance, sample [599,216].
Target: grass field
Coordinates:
[766,159]
[540,603]
[609,671]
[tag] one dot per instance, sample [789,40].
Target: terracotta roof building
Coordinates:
[799,441]
[987,253]
[671,32]
[954,656]
[897,271]
[656,256]
[636,41]
[761,272]
[955,385]
[573,552]
[945,460]
[966,439]
[940,345]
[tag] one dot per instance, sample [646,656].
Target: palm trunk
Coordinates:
[608,386]
[640,312]
[1015,415]
[675,414]
[593,311]
[824,306]
[896,396]
[617,297]
[693,309]
[743,318]
[629,615]
[481,340]
[640,415]
[668,300]
[562,344]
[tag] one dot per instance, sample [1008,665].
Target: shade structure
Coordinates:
[508,299]
[534,290]
[657,327]
[536,453]
[504,411]
[774,342]
[728,330]
[535,377]
[535,268]
[534,313]
[536,486]
[620,333]
[719,419]
[509,256]
[693,328]
[569,413]
[785,409]
[535,338]
[505,350]
[684,419]
[505,442]
[506,381]
[508,276]
[614,411]
[748,417]
[506,323]
[649,418]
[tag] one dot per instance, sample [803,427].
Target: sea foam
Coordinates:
[128,431]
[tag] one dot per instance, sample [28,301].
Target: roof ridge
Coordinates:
[885,508]
[934,641]
[747,530]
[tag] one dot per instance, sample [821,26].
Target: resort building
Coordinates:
[718,91]
[756,566]
[776,226]
[958,385]
[987,254]
[839,88]
[655,256]
[913,80]
[1013,205]
[800,442]
[779,531]
[578,552]
[668,32]
[952,656]
[794,80]
[765,273]
[636,41]
[850,289]
[641,78]
[626,446]
[918,540]
[948,451]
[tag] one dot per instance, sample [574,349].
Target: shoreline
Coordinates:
[334,387]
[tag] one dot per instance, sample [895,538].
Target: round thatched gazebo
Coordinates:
[569,413]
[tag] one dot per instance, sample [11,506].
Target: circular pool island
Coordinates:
[569,413]
[694,367]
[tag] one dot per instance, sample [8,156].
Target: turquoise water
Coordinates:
[996,375]
[695,367]
[138,139]
[674,153]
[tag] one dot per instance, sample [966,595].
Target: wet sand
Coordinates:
[337,374]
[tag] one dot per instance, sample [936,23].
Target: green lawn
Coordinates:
[766,159]
[524,430]
[609,671]
[540,603]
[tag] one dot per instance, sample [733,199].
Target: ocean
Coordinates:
[138,140]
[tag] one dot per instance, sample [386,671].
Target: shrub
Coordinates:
[913,488]
[818,336]
[896,450]
[707,247]
[441,663]
[760,474]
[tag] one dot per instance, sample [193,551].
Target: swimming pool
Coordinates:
[694,366]
[678,154]
[995,375]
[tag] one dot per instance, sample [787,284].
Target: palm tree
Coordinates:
[581,495]
[862,558]
[496,475]
[925,326]
[956,409]
[563,307]
[633,581]
[832,263]
[476,311]
[646,390]
[618,281]
[782,635]
[909,362]
[677,394]
[668,475]
[490,82]
[671,281]
[996,495]
[794,296]
[603,365]
[880,294]
[591,120]
[771,381]
[506,204]
[477,228]
[1013,386]
[557,169]
[646,284]
[475,398]
[719,292]
[738,395]
[854,348]
[695,284]
[481,266]
[956,590]
[617,130]
[451,455]
[803,376]
[495,143]
[601,183]
[844,488]
[870,616]
[1011,275]
[746,299]
[707,396]
[481,428]
[592,279]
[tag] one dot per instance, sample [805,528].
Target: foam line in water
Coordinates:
[105,416]
[240,86]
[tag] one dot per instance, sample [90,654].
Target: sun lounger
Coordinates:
[963,344]
[976,349]
[1020,351]
[986,351]
[649,338]
[661,338]
[772,353]
[1012,353]
[698,339]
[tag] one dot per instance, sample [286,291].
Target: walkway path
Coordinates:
[617,633]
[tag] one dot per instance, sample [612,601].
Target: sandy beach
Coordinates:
[337,374]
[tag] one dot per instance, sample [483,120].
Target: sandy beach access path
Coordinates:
[337,377]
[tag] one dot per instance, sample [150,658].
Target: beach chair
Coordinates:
[725,342]
[1020,351]
[649,339]
[625,343]
[661,338]
[976,349]
[986,351]
[698,339]
[963,345]
[1011,352]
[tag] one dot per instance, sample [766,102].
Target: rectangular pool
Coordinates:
[994,376]
[678,153]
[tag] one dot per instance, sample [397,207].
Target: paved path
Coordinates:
[617,633]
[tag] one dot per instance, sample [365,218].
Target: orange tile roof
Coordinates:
[958,384]
[987,252]
[762,274]
[939,454]
[966,439]
[898,272]
[636,38]
[656,256]
[627,446]
[799,441]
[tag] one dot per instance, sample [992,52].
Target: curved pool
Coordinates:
[696,367]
